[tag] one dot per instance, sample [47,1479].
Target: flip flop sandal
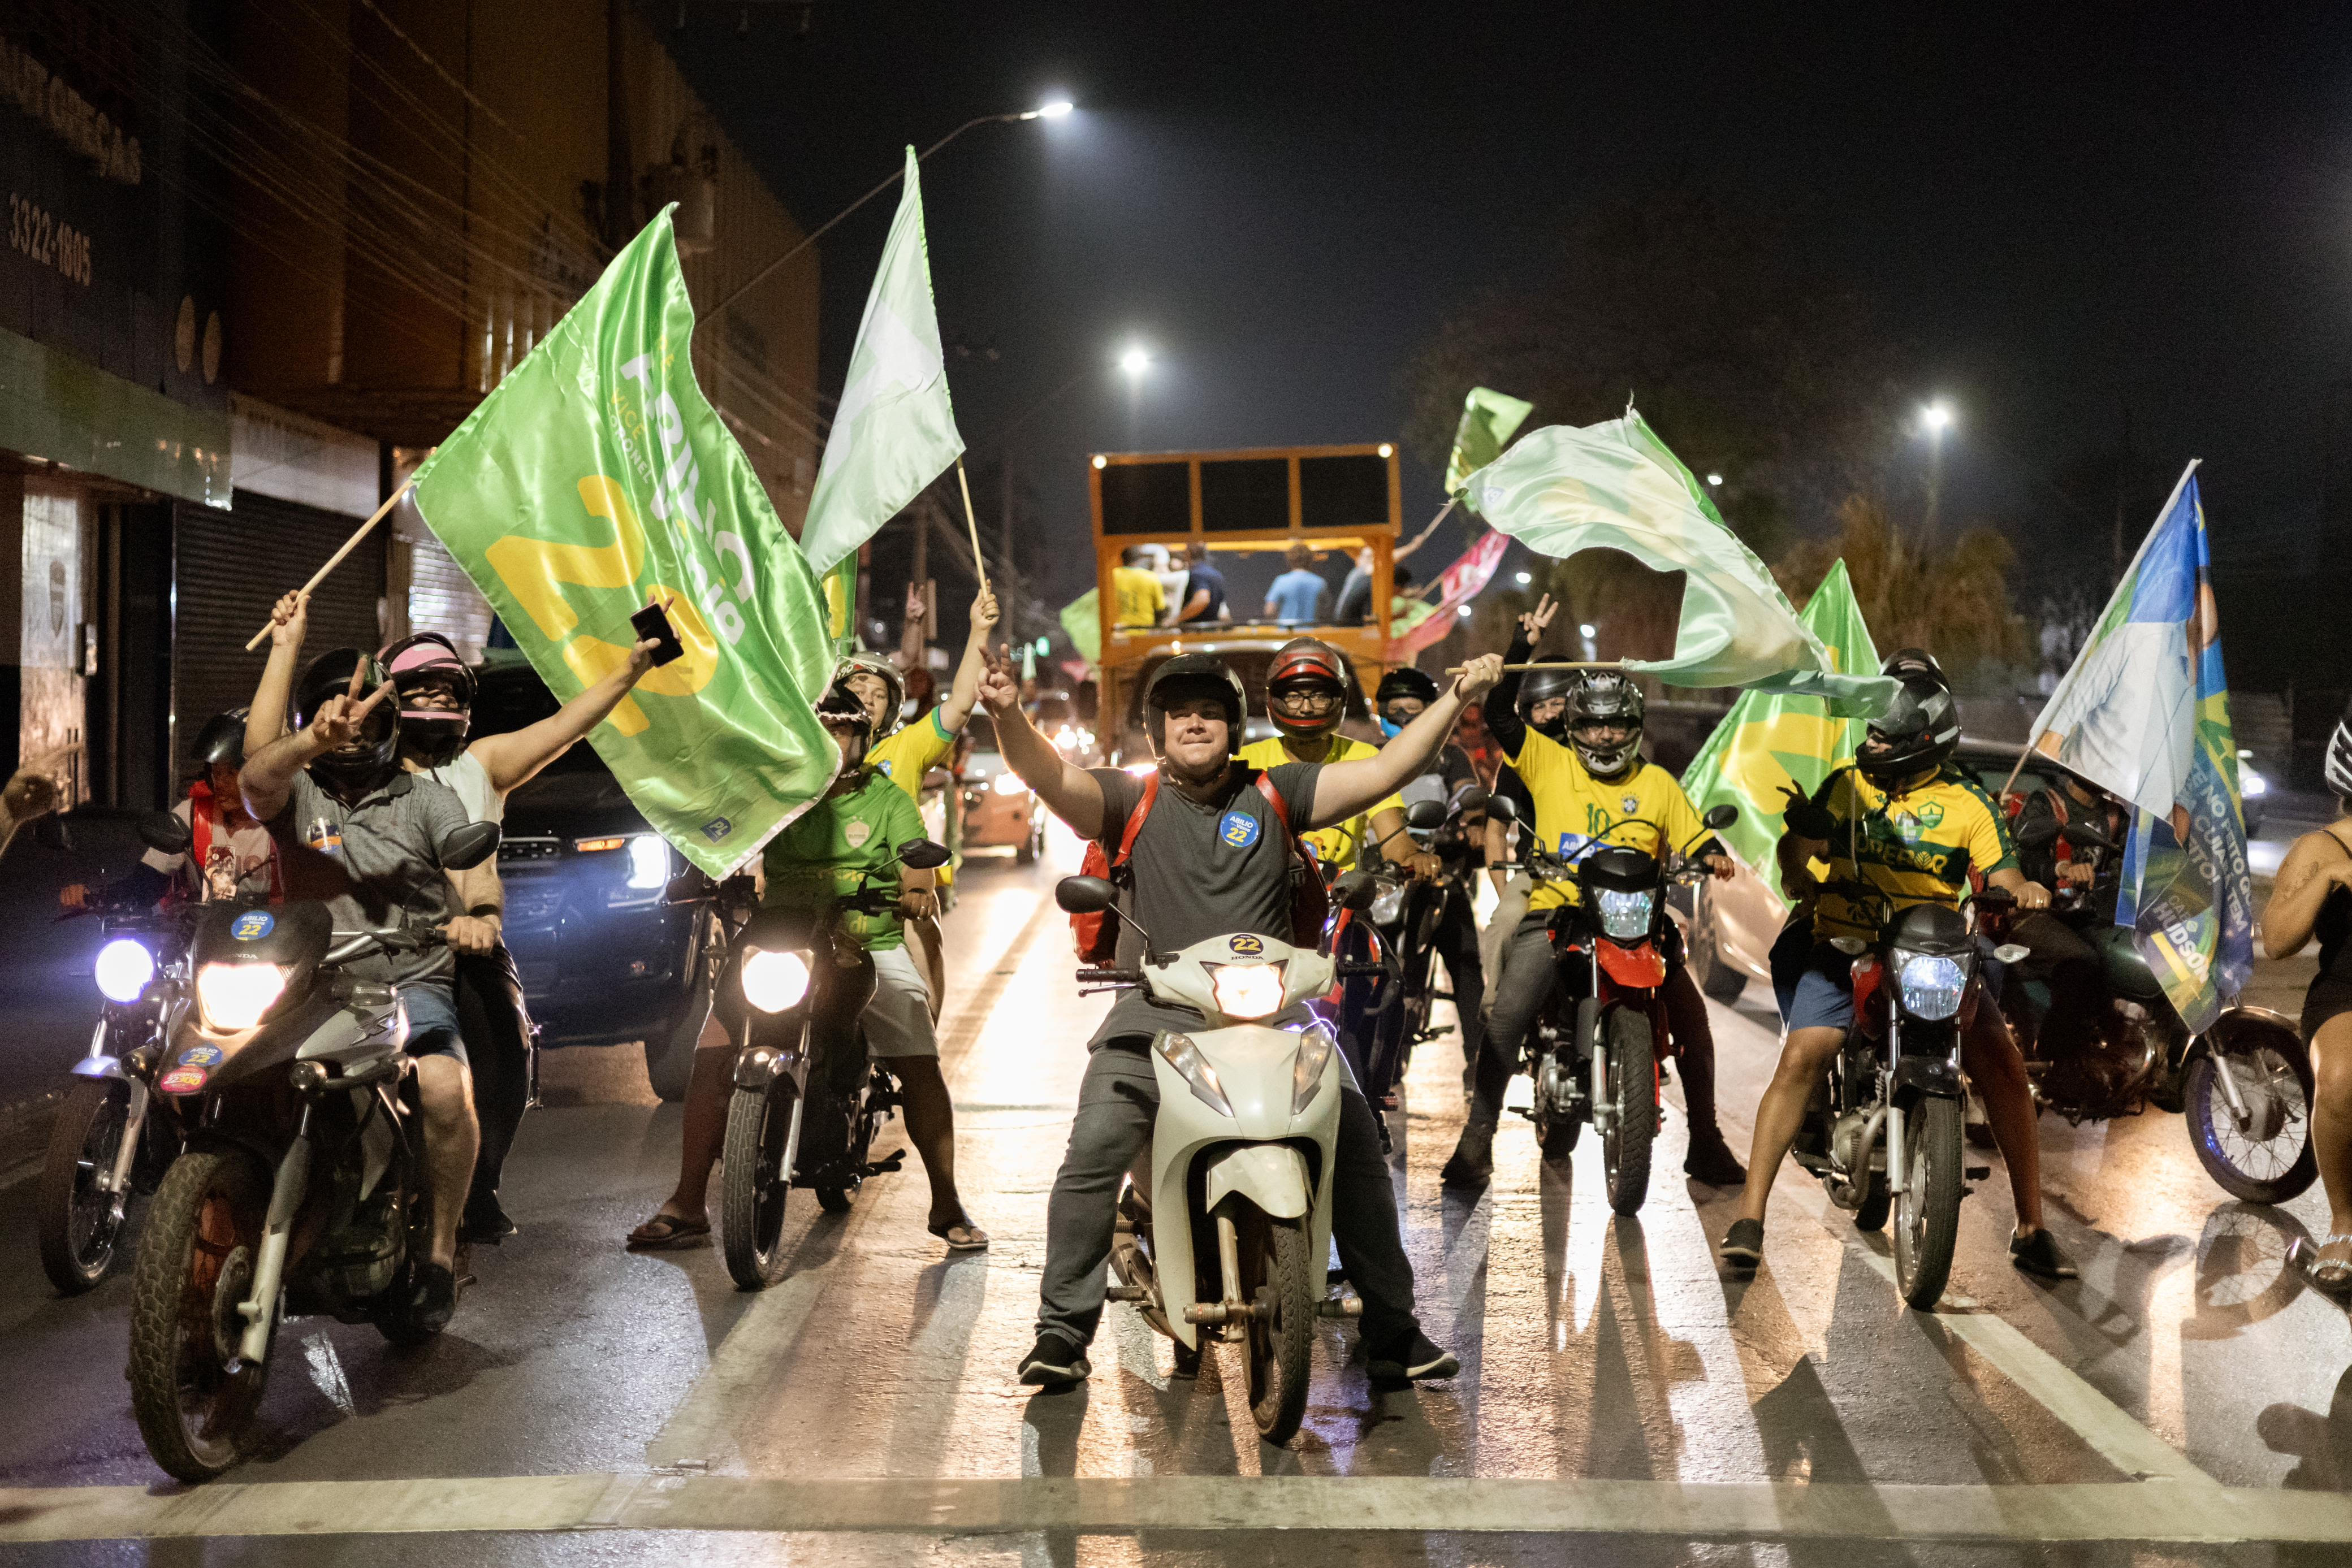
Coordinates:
[2331,1277]
[665,1230]
[975,1240]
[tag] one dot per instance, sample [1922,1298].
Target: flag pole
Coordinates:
[1551,665]
[336,559]
[979,561]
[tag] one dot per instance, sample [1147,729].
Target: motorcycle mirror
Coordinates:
[1356,890]
[923,854]
[2012,952]
[1084,895]
[1502,809]
[1425,815]
[470,846]
[1719,818]
[1471,800]
[166,832]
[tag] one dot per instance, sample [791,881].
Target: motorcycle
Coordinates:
[303,1185]
[2245,1084]
[806,1100]
[1403,914]
[1225,1220]
[1601,1065]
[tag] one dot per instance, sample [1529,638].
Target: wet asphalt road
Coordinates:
[589,1405]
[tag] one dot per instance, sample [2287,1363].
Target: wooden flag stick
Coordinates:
[979,561]
[2013,772]
[336,559]
[1552,664]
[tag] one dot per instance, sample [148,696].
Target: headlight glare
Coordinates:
[774,982]
[1008,783]
[1248,990]
[1193,1068]
[1624,916]
[233,997]
[1388,905]
[1315,1044]
[1931,983]
[648,862]
[124,968]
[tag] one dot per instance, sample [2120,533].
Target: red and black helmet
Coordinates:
[1305,663]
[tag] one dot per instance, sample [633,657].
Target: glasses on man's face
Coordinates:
[1306,700]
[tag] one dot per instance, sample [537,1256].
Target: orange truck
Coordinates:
[1248,507]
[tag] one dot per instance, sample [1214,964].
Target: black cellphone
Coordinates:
[653,621]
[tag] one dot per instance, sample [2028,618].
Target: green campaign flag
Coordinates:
[1489,419]
[597,475]
[894,430]
[1769,741]
[1614,485]
[1082,619]
[841,604]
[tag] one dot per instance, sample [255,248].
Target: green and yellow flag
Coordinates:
[597,475]
[1769,741]
[1082,619]
[1489,419]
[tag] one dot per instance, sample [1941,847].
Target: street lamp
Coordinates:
[1053,111]
[1935,419]
[1588,631]
[1715,480]
[1134,362]
[1524,578]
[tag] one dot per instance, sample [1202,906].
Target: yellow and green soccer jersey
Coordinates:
[1339,844]
[1573,808]
[1916,848]
[905,756]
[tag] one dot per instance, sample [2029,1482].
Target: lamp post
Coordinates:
[1935,419]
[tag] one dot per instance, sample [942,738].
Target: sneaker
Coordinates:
[1710,1160]
[1054,1363]
[433,1299]
[1743,1244]
[486,1224]
[1420,1359]
[1473,1165]
[2038,1254]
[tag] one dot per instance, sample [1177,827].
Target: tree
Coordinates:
[1951,599]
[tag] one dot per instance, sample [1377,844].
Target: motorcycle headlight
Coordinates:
[124,968]
[1388,905]
[1931,983]
[1193,1068]
[1315,1044]
[233,997]
[1624,916]
[774,982]
[1248,990]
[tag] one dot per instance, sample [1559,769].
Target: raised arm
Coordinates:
[513,759]
[289,623]
[956,709]
[1343,789]
[1069,791]
[1501,712]
[2314,868]
[267,777]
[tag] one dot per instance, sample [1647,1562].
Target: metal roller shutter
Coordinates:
[230,568]
[441,597]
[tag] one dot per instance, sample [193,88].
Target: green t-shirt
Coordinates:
[826,849]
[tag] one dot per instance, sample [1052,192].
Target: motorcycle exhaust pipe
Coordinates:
[286,1196]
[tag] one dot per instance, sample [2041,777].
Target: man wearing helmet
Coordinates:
[358,833]
[1307,697]
[229,854]
[852,833]
[1211,856]
[1542,700]
[1900,825]
[1595,787]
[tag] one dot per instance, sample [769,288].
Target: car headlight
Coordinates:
[1315,1044]
[233,997]
[1248,990]
[648,862]
[124,968]
[1008,783]
[1388,905]
[1193,1068]
[1932,984]
[775,981]
[2250,784]
[1624,916]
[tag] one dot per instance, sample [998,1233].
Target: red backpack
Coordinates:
[1097,933]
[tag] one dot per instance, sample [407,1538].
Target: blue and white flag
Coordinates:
[2144,715]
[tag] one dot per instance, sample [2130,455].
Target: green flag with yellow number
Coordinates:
[596,476]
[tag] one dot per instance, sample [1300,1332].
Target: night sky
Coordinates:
[2123,206]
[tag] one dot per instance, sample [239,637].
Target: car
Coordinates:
[617,936]
[999,811]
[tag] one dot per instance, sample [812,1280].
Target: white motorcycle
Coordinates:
[1225,1220]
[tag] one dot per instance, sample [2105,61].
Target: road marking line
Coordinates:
[1777,1510]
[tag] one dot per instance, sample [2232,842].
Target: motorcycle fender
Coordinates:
[1272,1176]
[1924,1074]
[772,1053]
[100,1067]
[1642,968]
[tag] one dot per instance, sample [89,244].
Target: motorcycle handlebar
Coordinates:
[1110,976]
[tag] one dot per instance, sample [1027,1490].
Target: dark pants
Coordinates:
[2067,964]
[1118,1101]
[496,1032]
[1456,941]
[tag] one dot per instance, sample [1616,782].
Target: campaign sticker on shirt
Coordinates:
[858,833]
[1239,830]
[717,829]
[1246,945]
[253,926]
[201,1056]
[1907,826]
[182,1081]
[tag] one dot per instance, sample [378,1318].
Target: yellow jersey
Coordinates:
[1917,847]
[1137,598]
[909,753]
[1573,808]
[1342,844]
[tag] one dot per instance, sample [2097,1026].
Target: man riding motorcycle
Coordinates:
[1900,825]
[1404,695]
[1211,855]
[357,832]
[1596,787]
[1543,699]
[1307,697]
[854,831]
[230,855]
[2068,836]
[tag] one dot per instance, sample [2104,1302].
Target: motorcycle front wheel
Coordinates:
[79,1220]
[2269,1161]
[192,1394]
[1633,1089]
[756,1178]
[1282,1331]
[1927,1210]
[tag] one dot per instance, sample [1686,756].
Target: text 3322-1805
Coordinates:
[35,232]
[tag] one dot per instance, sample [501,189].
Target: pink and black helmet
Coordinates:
[433,736]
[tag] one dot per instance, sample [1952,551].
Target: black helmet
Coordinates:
[222,740]
[1404,681]
[433,736]
[1918,733]
[1183,678]
[370,759]
[1542,686]
[1605,696]
[1909,662]
[1310,663]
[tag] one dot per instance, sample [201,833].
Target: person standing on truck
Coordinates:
[1297,595]
[1137,598]
[1205,588]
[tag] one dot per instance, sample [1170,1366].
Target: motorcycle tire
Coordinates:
[755,1179]
[393,1320]
[1927,1211]
[1633,1087]
[1281,1338]
[2224,1151]
[76,1217]
[193,1398]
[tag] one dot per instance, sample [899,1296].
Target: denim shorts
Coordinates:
[1823,995]
[432,1006]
